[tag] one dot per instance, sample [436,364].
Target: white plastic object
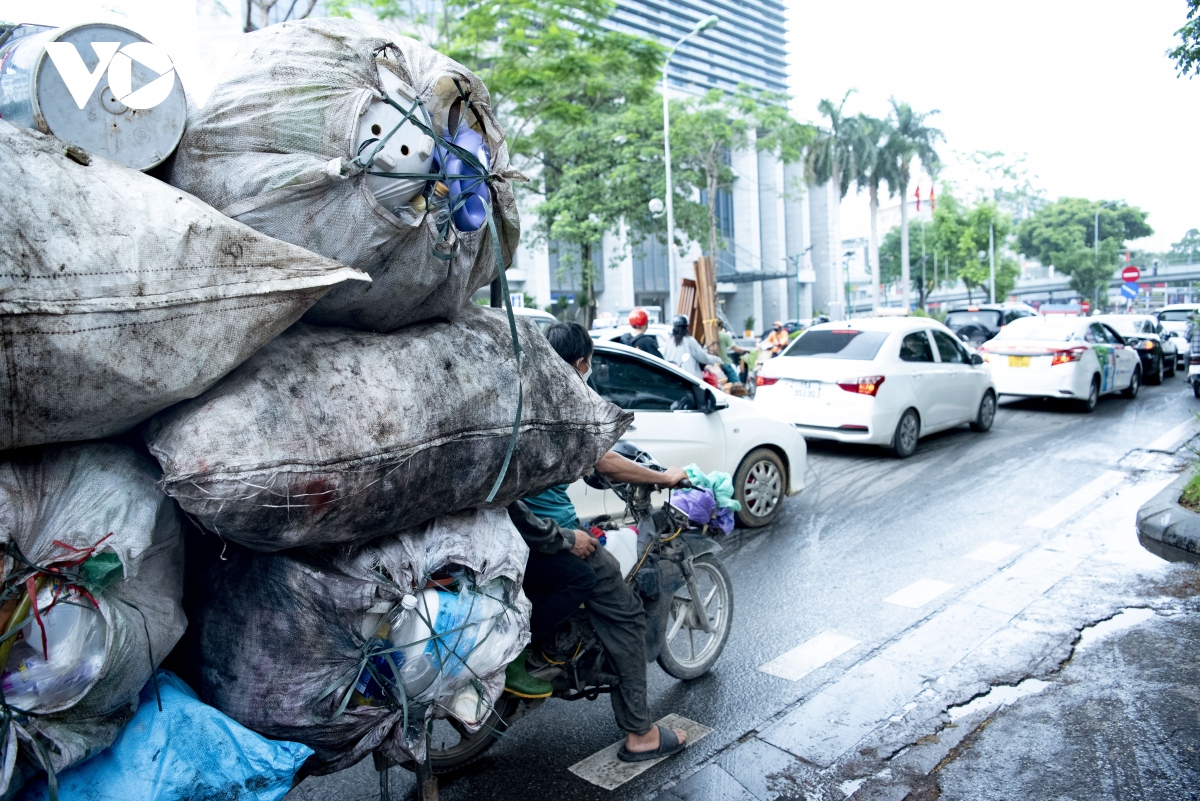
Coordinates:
[466,706]
[622,544]
[75,642]
[409,150]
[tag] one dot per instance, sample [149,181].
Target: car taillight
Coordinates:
[1195,359]
[1066,356]
[764,381]
[866,385]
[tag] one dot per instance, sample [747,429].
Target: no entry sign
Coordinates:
[1130,275]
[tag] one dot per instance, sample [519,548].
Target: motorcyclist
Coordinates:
[639,321]
[566,568]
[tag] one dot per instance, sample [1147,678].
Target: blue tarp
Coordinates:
[188,750]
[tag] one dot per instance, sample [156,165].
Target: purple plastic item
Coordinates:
[700,505]
[472,192]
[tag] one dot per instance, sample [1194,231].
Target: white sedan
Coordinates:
[680,421]
[880,381]
[1065,357]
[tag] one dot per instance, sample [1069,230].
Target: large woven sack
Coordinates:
[120,295]
[57,505]
[331,435]
[273,148]
[279,638]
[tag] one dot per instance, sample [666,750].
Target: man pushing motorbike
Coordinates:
[567,567]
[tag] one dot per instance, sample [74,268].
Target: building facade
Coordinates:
[763,218]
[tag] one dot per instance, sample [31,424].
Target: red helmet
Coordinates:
[638,318]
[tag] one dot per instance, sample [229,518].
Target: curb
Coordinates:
[1168,530]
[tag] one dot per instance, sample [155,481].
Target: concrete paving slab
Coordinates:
[766,771]
[937,644]
[1078,500]
[823,728]
[603,769]
[711,783]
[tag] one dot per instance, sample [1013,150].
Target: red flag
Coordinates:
[918,194]
[932,202]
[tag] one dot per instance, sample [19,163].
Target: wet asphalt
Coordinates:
[866,526]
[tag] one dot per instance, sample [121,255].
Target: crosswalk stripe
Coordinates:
[917,594]
[797,663]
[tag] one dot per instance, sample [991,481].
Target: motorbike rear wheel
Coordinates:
[452,747]
[681,657]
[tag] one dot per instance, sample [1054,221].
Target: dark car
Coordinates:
[978,324]
[1144,333]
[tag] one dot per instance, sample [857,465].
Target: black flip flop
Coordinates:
[668,745]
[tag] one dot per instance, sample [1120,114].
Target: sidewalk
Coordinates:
[992,697]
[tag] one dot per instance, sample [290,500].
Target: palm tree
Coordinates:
[875,163]
[910,137]
[833,156]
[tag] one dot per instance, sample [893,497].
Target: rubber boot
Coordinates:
[518,681]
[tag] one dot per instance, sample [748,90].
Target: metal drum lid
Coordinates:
[99,86]
[409,150]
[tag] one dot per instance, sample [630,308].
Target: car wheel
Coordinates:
[908,431]
[1093,397]
[987,413]
[1157,377]
[759,486]
[1135,383]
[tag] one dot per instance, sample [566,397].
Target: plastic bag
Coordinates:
[188,750]
[720,483]
[74,637]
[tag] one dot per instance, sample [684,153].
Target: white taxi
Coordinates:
[1062,357]
[879,381]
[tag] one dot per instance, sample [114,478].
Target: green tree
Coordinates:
[973,255]
[910,138]
[836,148]
[1063,234]
[1188,248]
[875,165]
[1186,54]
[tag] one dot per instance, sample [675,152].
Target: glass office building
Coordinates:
[747,47]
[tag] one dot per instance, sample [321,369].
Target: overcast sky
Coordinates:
[1083,87]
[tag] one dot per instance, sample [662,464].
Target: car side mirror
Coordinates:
[705,400]
[976,359]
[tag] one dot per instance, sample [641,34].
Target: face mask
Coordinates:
[587,374]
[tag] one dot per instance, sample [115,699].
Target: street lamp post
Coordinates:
[703,25]
[992,261]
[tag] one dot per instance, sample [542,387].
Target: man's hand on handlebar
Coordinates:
[584,544]
[619,470]
[673,477]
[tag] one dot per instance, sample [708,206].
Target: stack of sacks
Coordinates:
[89,533]
[285,145]
[376,443]
[119,296]
[370,578]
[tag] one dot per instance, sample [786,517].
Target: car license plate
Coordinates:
[1018,361]
[806,389]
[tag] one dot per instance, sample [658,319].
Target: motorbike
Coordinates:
[1194,373]
[688,598]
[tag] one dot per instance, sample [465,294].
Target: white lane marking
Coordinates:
[1170,441]
[992,551]
[1077,500]
[807,657]
[917,594]
[603,769]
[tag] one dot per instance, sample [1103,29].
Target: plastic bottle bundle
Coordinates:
[75,634]
[439,641]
